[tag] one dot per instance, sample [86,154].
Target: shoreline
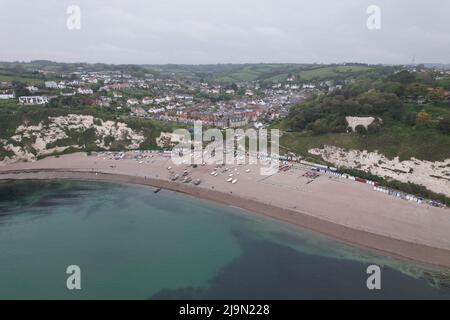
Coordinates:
[407,250]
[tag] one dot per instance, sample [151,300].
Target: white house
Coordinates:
[6,95]
[258,125]
[147,101]
[51,85]
[132,102]
[238,122]
[32,89]
[156,110]
[67,93]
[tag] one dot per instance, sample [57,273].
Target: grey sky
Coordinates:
[226,31]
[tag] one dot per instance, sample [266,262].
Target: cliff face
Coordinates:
[435,176]
[58,134]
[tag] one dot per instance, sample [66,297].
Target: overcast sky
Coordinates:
[225,31]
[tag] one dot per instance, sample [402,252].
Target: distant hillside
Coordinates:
[219,73]
[229,73]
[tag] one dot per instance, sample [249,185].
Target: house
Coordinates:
[5,95]
[156,110]
[132,102]
[258,125]
[138,111]
[51,85]
[447,95]
[221,122]
[5,85]
[104,101]
[238,122]
[33,100]
[147,100]
[67,93]
[32,89]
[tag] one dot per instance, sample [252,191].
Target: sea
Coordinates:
[96,240]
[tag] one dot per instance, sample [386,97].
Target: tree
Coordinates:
[374,127]
[444,125]
[410,118]
[382,102]
[437,95]
[20,89]
[404,77]
[319,127]
[422,118]
[360,129]
[416,90]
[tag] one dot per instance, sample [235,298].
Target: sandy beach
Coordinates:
[348,211]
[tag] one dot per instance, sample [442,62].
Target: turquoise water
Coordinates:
[131,243]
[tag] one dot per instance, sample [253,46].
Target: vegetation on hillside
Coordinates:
[13,115]
[403,126]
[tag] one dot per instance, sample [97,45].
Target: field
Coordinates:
[276,73]
[226,73]
[331,72]
[25,77]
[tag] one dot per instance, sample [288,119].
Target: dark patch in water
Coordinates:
[168,205]
[42,196]
[93,209]
[267,270]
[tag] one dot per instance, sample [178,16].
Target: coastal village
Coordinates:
[221,159]
[167,98]
[170,99]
